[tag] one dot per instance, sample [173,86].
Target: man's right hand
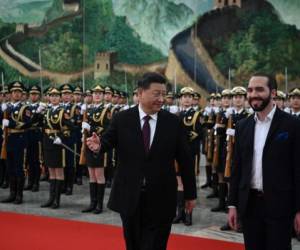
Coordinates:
[232,218]
[93,143]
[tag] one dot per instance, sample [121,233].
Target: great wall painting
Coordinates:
[194,43]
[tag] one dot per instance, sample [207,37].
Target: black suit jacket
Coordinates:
[281,165]
[157,167]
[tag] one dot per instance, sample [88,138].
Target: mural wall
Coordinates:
[192,42]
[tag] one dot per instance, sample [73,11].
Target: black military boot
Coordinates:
[79,175]
[6,181]
[36,185]
[70,182]
[188,219]
[180,215]
[20,187]
[58,186]
[29,183]
[12,191]
[2,172]
[93,196]
[214,183]
[100,197]
[222,197]
[208,177]
[50,201]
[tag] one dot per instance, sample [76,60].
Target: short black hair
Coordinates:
[150,77]
[272,83]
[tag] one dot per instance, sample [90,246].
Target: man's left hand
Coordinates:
[297,223]
[189,205]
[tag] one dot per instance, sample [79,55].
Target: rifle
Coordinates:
[230,141]
[82,159]
[210,136]
[5,131]
[215,162]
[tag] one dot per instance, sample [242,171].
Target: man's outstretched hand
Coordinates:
[93,143]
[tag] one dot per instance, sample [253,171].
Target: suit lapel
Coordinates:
[274,125]
[157,133]
[249,140]
[136,123]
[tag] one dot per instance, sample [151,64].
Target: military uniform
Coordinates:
[71,111]
[34,149]
[78,144]
[193,128]
[18,120]
[56,127]
[97,119]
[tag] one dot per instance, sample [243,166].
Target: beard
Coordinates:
[262,106]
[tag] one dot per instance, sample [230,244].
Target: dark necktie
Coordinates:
[146,133]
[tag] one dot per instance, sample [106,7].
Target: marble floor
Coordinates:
[205,223]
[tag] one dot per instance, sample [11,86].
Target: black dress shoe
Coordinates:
[35,188]
[188,219]
[225,227]
[79,181]
[5,185]
[69,191]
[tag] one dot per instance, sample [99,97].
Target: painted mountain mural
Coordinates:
[146,33]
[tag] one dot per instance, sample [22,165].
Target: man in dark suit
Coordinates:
[265,183]
[148,141]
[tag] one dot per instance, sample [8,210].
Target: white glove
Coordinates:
[83,108]
[5,123]
[41,108]
[86,126]
[230,132]
[3,106]
[57,141]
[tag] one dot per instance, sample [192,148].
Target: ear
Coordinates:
[139,92]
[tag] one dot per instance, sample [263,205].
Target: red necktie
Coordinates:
[146,133]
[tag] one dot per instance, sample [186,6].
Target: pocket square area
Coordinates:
[282,136]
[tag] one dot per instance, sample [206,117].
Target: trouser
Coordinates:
[139,234]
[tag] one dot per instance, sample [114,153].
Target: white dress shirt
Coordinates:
[152,122]
[260,135]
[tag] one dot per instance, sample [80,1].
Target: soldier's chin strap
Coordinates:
[65,146]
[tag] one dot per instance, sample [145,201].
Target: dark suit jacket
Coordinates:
[281,166]
[169,143]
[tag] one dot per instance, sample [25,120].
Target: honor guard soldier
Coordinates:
[115,101]
[294,97]
[70,138]
[96,120]
[219,154]
[169,103]
[233,115]
[196,101]
[108,94]
[4,176]
[77,96]
[279,99]
[56,123]
[192,125]
[109,170]
[209,116]
[17,120]
[34,149]
[135,99]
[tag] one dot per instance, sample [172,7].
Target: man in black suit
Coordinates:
[148,141]
[265,183]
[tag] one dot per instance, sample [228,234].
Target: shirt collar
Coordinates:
[293,113]
[269,116]
[143,114]
[15,104]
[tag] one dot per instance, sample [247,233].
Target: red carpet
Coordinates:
[42,233]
